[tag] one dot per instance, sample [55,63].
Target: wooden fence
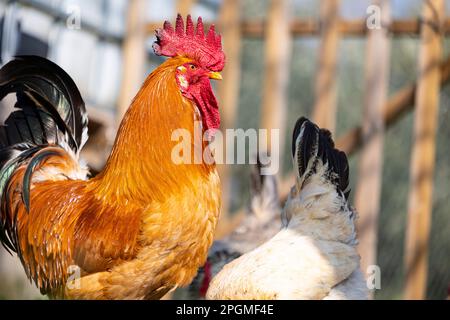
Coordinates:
[379,110]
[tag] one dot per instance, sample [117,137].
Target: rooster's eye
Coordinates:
[192,67]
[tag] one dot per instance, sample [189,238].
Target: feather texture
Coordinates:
[139,228]
[310,144]
[313,256]
[48,94]
[47,111]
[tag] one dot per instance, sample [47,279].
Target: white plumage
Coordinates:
[314,255]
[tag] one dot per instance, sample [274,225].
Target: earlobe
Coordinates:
[182,82]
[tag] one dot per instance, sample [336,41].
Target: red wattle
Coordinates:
[206,279]
[207,104]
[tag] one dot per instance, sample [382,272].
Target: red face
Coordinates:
[194,83]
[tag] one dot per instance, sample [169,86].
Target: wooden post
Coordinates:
[324,111]
[229,86]
[423,153]
[368,190]
[276,79]
[229,27]
[134,55]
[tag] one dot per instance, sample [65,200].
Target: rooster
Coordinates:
[314,255]
[143,225]
[262,221]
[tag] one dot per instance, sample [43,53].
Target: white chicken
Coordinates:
[314,255]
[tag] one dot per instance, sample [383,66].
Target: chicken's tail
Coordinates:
[43,123]
[264,196]
[312,149]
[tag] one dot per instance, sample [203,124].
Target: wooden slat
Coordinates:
[229,93]
[324,110]
[303,27]
[134,55]
[231,37]
[311,27]
[396,27]
[423,154]
[395,108]
[276,78]
[347,28]
[368,189]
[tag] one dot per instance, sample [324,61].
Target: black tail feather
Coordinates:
[40,106]
[35,161]
[263,189]
[43,80]
[48,104]
[256,178]
[310,143]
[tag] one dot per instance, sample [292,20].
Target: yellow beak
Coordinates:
[215,75]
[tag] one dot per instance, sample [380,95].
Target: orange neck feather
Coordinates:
[140,166]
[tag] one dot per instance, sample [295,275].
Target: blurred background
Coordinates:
[328,60]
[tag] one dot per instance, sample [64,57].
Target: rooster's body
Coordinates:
[314,255]
[138,229]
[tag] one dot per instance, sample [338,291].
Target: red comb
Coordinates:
[192,42]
